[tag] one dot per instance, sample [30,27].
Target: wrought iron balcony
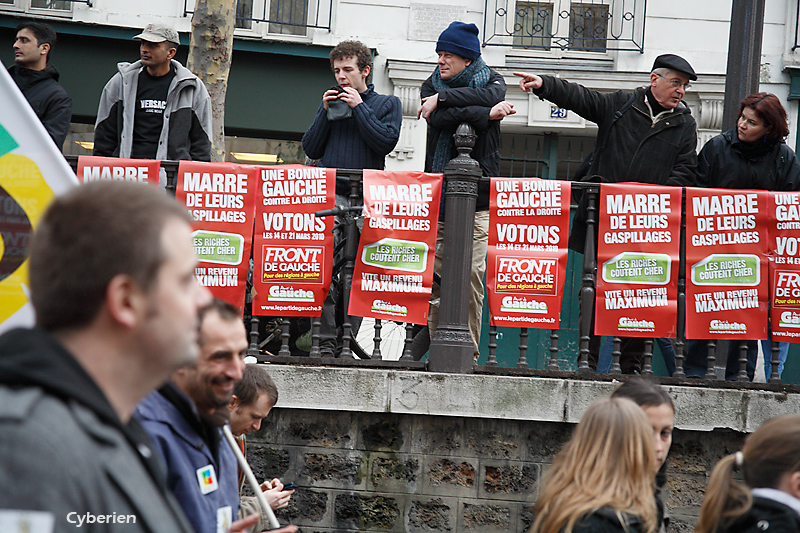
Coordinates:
[287,17]
[586,25]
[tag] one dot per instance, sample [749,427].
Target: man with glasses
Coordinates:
[645,136]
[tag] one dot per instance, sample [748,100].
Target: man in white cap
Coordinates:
[154,108]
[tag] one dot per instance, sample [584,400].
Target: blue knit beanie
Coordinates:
[461,39]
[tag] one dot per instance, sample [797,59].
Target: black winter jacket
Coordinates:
[725,162]
[49,100]
[660,150]
[605,520]
[765,516]
[637,146]
[465,104]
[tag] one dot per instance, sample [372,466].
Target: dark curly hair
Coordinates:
[356,49]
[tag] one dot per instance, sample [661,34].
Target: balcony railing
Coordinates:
[455,352]
[577,25]
[288,17]
[796,44]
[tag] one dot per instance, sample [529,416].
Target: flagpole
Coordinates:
[251,479]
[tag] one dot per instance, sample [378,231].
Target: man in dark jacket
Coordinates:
[38,80]
[653,141]
[355,127]
[461,89]
[112,283]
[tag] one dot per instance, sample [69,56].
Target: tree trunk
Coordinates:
[210,52]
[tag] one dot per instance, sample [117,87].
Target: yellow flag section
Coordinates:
[32,171]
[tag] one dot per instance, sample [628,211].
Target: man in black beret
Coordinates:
[645,136]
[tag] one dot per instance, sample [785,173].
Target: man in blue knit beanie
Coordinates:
[355,127]
[463,89]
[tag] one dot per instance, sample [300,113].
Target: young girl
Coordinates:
[658,407]
[602,481]
[770,499]
[660,410]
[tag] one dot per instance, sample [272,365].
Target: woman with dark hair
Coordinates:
[602,480]
[751,156]
[769,499]
[660,411]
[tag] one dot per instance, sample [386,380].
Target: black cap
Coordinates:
[676,63]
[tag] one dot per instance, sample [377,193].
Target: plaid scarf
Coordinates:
[476,75]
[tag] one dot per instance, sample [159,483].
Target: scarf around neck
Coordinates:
[476,76]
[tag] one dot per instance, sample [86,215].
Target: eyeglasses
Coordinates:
[676,83]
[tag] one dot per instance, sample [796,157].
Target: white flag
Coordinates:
[32,172]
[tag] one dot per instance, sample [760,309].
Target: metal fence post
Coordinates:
[451,348]
[587,292]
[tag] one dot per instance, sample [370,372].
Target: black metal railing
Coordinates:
[796,44]
[585,25]
[287,17]
[459,350]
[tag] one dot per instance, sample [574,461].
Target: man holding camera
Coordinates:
[355,128]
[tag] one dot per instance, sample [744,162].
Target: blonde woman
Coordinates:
[603,479]
[770,498]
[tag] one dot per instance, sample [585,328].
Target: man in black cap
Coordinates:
[463,88]
[653,140]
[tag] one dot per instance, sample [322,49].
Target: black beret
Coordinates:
[676,63]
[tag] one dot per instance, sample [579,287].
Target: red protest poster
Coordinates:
[293,255]
[221,200]
[726,264]
[94,168]
[394,268]
[527,255]
[638,254]
[784,265]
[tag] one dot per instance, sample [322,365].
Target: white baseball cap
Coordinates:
[157,33]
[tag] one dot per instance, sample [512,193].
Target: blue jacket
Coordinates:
[185,454]
[361,141]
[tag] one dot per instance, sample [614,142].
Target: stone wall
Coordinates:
[362,468]
[387,472]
